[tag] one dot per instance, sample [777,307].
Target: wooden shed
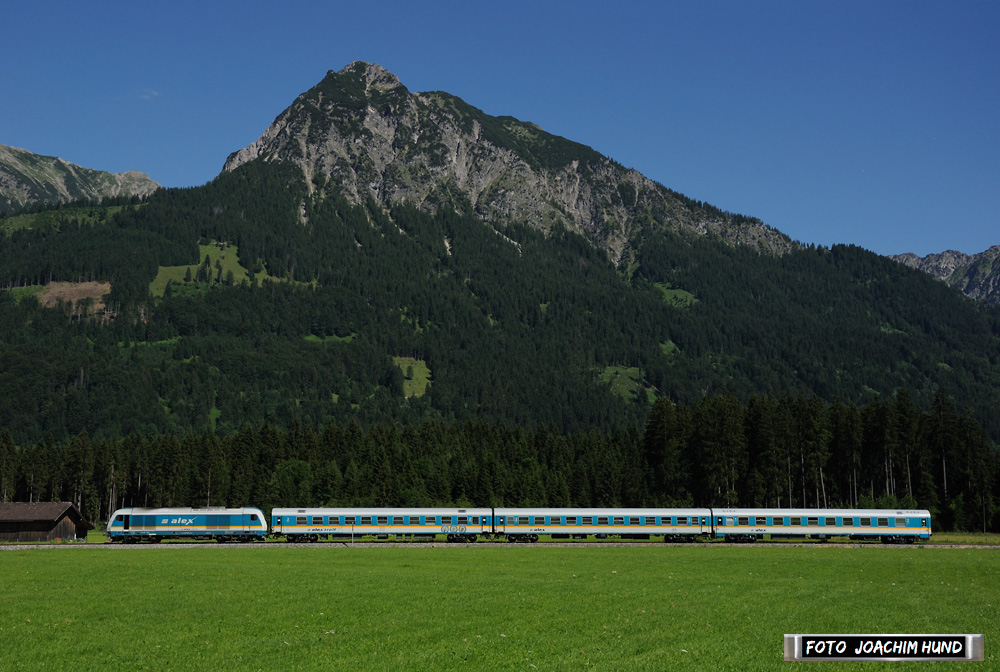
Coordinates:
[42,521]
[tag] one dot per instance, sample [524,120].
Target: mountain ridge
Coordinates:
[363,130]
[975,275]
[27,178]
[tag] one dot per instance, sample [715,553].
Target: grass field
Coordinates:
[270,607]
[227,257]
[416,375]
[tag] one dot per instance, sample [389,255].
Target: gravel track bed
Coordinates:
[434,544]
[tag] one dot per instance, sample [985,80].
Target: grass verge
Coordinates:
[476,608]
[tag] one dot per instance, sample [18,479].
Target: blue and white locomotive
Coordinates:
[154,525]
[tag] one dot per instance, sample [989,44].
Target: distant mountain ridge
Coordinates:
[27,178]
[374,138]
[975,275]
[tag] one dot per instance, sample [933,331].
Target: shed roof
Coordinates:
[35,511]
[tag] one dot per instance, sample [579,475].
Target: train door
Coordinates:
[501,524]
[247,520]
[127,521]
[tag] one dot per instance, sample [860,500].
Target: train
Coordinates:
[517,525]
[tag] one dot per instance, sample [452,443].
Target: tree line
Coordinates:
[787,452]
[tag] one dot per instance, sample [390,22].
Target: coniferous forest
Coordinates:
[696,372]
[789,452]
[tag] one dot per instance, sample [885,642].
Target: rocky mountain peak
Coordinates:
[362,133]
[375,76]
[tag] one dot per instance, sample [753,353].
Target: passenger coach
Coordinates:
[883,525]
[671,524]
[426,523]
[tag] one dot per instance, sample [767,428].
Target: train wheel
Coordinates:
[471,538]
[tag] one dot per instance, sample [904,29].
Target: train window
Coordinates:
[301,520]
[463,520]
[901,522]
[366,520]
[744,520]
[539,520]
[848,521]
[349,520]
[397,520]
[475,520]
[923,522]
[634,520]
[523,520]
[571,520]
[778,521]
[883,522]
[588,520]
[383,520]
[812,521]
[831,522]
[730,521]
[446,520]
[761,520]
[866,522]
[619,520]
[682,520]
[317,520]
[650,520]
[602,520]
[796,522]
[119,518]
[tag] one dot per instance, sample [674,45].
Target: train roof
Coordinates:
[181,510]
[823,512]
[358,511]
[603,511]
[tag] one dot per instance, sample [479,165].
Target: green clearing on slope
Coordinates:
[416,375]
[223,260]
[476,608]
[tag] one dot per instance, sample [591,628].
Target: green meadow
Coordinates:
[416,375]
[220,256]
[417,607]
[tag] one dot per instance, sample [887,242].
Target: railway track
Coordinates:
[483,544]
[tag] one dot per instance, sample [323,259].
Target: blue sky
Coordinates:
[873,123]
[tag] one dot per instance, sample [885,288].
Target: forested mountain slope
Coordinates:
[287,291]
